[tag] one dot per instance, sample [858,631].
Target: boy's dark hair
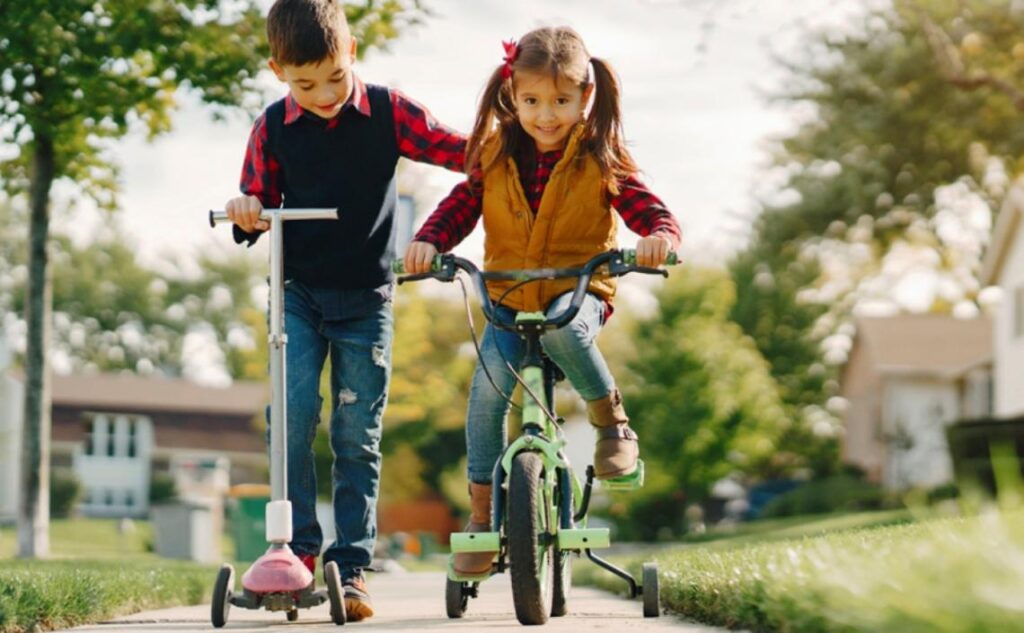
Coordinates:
[302,32]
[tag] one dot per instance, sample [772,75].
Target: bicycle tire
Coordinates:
[530,563]
[561,583]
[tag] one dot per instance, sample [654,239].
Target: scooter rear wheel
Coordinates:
[222,590]
[335,593]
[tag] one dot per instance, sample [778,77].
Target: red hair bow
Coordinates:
[511,53]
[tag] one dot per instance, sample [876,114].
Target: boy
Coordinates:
[334,142]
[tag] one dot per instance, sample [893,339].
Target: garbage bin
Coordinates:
[248,520]
[184,529]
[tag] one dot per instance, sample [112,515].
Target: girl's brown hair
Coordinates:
[561,52]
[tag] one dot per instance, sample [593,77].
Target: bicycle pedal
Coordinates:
[472,542]
[457,577]
[628,482]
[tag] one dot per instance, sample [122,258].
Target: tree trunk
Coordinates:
[34,513]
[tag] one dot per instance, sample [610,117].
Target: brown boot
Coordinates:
[617,448]
[473,563]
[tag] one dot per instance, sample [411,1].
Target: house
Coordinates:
[114,431]
[908,378]
[1003,266]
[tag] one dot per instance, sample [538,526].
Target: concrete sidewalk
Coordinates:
[406,601]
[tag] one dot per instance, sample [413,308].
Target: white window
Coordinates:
[112,435]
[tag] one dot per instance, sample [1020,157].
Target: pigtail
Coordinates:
[496,103]
[604,128]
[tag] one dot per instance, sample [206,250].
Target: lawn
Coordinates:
[97,572]
[935,575]
[90,538]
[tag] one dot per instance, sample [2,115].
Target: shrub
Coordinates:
[64,492]
[161,488]
[840,493]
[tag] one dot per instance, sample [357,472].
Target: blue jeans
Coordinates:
[355,327]
[572,348]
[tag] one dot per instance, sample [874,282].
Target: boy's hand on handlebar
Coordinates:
[652,250]
[418,257]
[245,212]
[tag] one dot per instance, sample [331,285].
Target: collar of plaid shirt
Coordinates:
[358,99]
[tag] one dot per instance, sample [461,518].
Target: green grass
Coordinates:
[44,595]
[89,538]
[798,527]
[939,575]
[96,573]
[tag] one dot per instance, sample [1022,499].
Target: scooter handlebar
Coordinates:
[219,216]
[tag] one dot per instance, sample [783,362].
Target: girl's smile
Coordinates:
[548,109]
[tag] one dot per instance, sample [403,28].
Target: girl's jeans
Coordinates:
[572,348]
[355,327]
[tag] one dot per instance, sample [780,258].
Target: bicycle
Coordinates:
[539,507]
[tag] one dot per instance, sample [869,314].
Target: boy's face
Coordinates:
[323,87]
[549,109]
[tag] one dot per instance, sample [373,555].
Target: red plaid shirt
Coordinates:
[643,212]
[420,138]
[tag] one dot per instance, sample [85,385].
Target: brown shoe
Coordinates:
[617,448]
[474,563]
[357,599]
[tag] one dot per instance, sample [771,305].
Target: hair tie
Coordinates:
[511,53]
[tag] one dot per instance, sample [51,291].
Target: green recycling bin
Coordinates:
[247,520]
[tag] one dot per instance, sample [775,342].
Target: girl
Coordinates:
[545,175]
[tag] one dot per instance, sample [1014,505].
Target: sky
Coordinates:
[694,74]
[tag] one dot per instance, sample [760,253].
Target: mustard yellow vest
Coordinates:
[574,223]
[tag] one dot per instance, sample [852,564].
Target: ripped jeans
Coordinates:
[355,327]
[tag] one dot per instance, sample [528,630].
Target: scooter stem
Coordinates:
[277,341]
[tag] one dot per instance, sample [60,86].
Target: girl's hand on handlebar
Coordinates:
[418,257]
[245,212]
[652,250]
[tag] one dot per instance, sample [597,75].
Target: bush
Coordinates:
[161,488]
[64,492]
[841,493]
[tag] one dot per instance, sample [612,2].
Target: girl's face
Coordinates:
[549,109]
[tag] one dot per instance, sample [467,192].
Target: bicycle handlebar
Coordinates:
[617,262]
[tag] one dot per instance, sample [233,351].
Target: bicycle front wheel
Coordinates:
[529,547]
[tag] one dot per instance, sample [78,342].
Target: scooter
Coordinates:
[278,580]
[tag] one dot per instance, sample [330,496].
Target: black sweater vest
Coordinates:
[350,167]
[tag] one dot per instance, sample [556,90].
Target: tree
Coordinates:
[113,314]
[976,44]
[702,400]
[891,152]
[78,73]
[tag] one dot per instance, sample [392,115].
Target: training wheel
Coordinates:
[652,599]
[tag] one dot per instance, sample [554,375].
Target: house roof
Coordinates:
[116,391]
[1003,235]
[926,344]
